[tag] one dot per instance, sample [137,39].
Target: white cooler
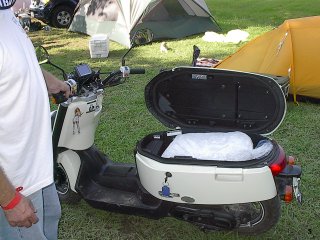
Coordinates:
[99,46]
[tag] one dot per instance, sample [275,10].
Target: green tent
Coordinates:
[119,19]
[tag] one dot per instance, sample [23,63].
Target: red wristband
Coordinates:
[14,202]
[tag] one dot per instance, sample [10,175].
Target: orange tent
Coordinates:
[292,49]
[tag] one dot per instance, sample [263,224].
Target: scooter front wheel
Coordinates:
[65,193]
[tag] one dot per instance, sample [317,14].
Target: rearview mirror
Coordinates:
[42,55]
[142,36]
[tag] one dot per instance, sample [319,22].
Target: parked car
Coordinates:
[56,13]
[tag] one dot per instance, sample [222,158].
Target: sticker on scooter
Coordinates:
[93,106]
[165,190]
[76,120]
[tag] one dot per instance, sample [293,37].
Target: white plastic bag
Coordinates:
[262,149]
[230,146]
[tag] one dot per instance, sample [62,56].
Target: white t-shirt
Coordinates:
[25,129]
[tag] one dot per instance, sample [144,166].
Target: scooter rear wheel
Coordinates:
[258,217]
[65,193]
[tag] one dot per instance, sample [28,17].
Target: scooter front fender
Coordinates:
[70,161]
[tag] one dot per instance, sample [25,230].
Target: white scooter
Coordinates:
[214,195]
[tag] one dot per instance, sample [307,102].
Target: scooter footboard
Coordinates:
[198,184]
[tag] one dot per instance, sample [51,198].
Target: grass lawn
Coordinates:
[125,120]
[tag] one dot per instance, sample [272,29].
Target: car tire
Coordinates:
[61,16]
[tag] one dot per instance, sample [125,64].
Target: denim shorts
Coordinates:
[47,205]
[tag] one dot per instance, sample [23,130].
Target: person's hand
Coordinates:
[55,85]
[22,215]
[60,86]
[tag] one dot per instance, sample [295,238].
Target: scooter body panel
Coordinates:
[80,123]
[205,184]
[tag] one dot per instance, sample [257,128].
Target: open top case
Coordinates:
[216,100]
[193,99]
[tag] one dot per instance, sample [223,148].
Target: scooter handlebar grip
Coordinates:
[137,71]
[58,98]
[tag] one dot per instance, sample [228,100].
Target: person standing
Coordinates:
[30,207]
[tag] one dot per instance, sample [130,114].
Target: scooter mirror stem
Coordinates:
[65,77]
[196,54]
[123,61]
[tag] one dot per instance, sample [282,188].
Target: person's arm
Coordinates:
[21,212]
[54,85]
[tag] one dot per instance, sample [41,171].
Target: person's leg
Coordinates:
[47,205]
[51,211]
[35,232]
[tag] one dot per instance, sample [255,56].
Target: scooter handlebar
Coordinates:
[58,98]
[137,71]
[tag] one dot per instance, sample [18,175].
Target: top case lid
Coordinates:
[216,100]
